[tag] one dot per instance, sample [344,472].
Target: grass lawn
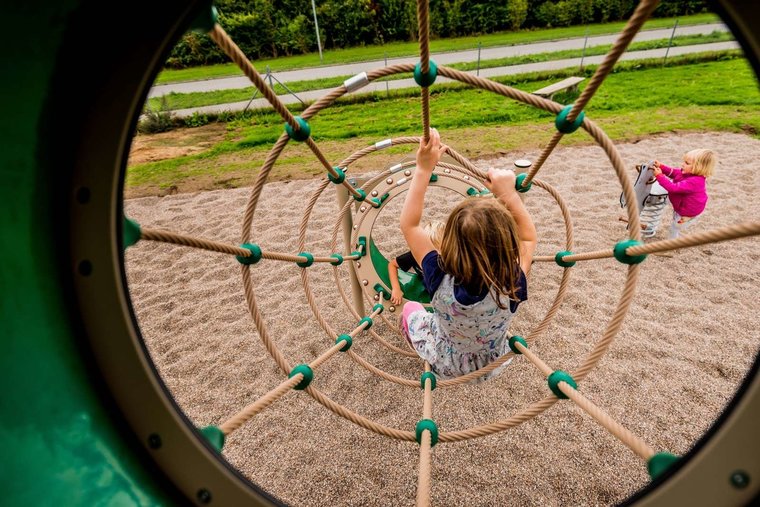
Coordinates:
[398,49]
[636,102]
[174,101]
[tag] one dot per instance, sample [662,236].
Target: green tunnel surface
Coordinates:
[61,440]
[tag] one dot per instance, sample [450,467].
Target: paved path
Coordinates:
[441,58]
[496,71]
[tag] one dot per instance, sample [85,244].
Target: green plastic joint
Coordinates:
[340,178]
[563,125]
[472,191]
[620,252]
[514,340]
[345,338]
[360,195]
[356,254]
[308,262]
[659,463]
[425,376]
[338,259]
[426,424]
[251,259]
[367,320]
[433,178]
[485,192]
[425,80]
[302,134]
[361,243]
[379,288]
[564,264]
[206,19]
[308,376]
[132,232]
[519,183]
[558,376]
[378,306]
[214,436]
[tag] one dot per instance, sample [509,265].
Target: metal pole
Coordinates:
[583,54]
[387,89]
[347,223]
[477,73]
[670,42]
[316,27]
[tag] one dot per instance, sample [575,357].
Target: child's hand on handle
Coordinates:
[396,296]
[430,153]
[501,183]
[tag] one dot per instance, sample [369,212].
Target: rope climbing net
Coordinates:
[466,179]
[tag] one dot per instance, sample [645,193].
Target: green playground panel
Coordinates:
[411,284]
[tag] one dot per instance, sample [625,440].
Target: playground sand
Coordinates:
[684,347]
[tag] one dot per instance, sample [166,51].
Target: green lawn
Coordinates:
[399,49]
[633,102]
[174,101]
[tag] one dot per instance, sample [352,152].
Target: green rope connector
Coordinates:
[338,259]
[131,232]
[472,191]
[375,202]
[558,376]
[360,195]
[620,255]
[344,338]
[377,307]
[425,80]
[484,193]
[515,339]
[367,320]
[433,178]
[425,376]
[206,20]
[308,262]
[340,178]
[565,126]
[379,288]
[659,463]
[362,244]
[356,253]
[214,436]
[519,181]
[426,424]
[564,264]
[251,259]
[302,134]
[308,376]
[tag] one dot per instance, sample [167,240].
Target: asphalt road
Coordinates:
[441,58]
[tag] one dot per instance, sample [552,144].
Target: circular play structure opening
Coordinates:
[93,154]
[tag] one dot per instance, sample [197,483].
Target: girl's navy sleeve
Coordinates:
[432,272]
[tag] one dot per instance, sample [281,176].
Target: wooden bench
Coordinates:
[568,84]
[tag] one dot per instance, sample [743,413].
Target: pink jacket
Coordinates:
[686,191]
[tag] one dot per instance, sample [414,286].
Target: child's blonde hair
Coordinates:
[480,248]
[434,231]
[704,162]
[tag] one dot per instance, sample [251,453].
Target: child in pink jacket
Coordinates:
[686,187]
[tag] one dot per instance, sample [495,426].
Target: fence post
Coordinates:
[583,54]
[670,42]
[478,71]
[387,89]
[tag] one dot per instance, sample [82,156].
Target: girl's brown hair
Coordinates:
[480,248]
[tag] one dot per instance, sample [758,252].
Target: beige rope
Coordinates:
[245,415]
[215,246]
[624,435]
[423,476]
[423,23]
[641,14]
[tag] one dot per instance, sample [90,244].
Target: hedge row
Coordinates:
[272,28]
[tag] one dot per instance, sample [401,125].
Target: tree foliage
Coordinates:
[272,28]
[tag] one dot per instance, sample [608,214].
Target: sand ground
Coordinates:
[685,345]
